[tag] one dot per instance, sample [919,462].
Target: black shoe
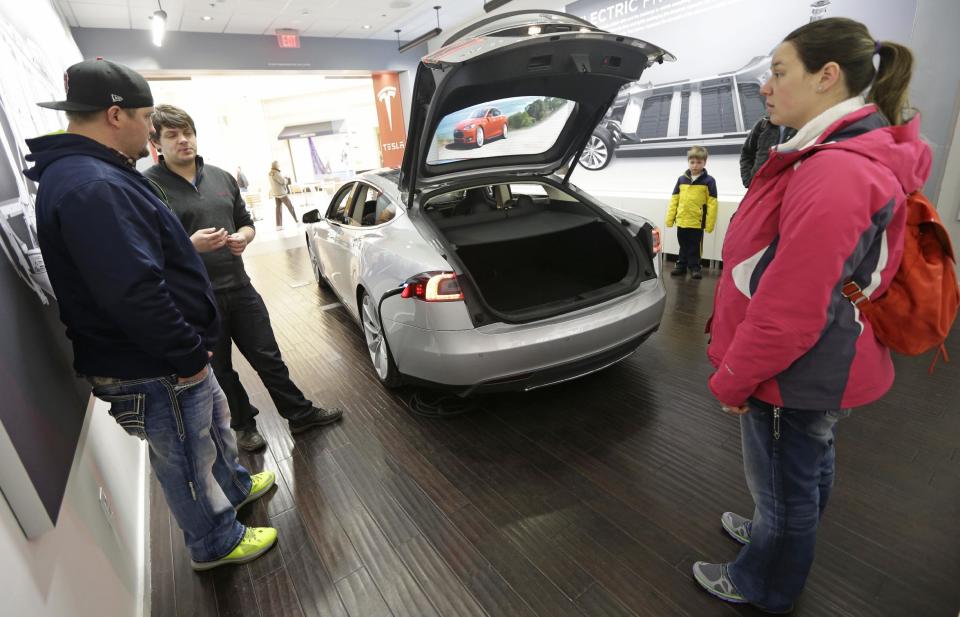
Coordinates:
[696,275]
[678,272]
[251,440]
[318,416]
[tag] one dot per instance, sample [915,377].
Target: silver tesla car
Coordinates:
[485,269]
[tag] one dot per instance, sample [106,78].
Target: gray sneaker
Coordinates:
[250,440]
[737,526]
[713,577]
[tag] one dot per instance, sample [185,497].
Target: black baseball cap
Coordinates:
[93,85]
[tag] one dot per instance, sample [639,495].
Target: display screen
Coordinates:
[522,125]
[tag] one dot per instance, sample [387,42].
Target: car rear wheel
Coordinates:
[377,347]
[504,134]
[479,137]
[598,152]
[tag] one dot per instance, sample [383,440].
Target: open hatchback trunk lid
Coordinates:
[517,94]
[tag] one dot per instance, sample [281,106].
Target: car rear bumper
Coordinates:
[527,356]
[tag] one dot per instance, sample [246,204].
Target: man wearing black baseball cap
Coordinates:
[139,309]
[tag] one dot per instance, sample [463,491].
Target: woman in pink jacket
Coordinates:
[792,354]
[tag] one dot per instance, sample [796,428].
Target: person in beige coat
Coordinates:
[280,192]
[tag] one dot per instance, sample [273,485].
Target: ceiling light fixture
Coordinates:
[366,26]
[493,5]
[423,38]
[158,25]
[207,18]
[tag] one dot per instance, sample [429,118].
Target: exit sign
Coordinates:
[288,39]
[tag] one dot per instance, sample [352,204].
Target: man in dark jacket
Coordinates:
[756,149]
[207,200]
[139,309]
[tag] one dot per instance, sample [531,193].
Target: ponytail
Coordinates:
[889,90]
[850,45]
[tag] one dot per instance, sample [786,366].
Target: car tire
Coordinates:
[598,152]
[377,348]
[503,135]
[315,264]
[479,139]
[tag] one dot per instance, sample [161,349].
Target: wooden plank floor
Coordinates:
[589,498]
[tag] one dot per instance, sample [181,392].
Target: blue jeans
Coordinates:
[193,453]
[789,464]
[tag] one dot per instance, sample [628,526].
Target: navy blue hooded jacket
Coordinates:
[131,288]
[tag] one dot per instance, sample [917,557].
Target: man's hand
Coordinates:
[736,411]
[236,243]
[209,239]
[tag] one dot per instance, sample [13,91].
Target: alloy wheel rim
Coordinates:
[373,334]
[594,154]
[479,137]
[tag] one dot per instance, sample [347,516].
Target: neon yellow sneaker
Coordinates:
[261,483]
[256,541]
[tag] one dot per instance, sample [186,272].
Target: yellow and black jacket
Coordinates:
[694,202]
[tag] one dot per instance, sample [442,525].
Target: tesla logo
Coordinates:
[385,96]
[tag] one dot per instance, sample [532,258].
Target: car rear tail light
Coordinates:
[433,287]
[657,243]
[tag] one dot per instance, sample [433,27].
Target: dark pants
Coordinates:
[691,241]
[789,464]
[281,201]
[244,320]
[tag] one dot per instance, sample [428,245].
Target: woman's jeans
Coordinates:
[192,451]
[788,458]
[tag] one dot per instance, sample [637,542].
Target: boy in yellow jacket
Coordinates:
[693,207]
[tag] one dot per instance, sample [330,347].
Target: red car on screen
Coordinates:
[480,126]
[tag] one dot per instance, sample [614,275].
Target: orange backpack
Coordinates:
[916,312]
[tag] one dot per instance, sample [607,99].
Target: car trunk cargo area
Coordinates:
[535,257]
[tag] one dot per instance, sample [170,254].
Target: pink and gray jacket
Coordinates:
[826,208]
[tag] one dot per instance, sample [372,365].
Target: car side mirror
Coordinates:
[312,216]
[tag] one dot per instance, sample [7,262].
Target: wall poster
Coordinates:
[43,406]
[711,95]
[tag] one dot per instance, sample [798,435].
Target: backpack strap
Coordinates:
[852,292]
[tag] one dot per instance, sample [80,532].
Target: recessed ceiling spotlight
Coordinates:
[305,12]
[207,18]
[366,26]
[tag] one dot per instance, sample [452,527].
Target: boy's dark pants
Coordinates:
[690,240]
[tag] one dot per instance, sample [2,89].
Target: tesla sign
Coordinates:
[386,91]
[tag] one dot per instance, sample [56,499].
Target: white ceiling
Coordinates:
[326,18]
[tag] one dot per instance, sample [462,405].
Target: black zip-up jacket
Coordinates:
[213,200]
[132,290]
[756,149]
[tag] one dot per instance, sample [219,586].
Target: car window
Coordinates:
[339,203]
[528,189]
[385,210]
[366,204]
[517,126]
